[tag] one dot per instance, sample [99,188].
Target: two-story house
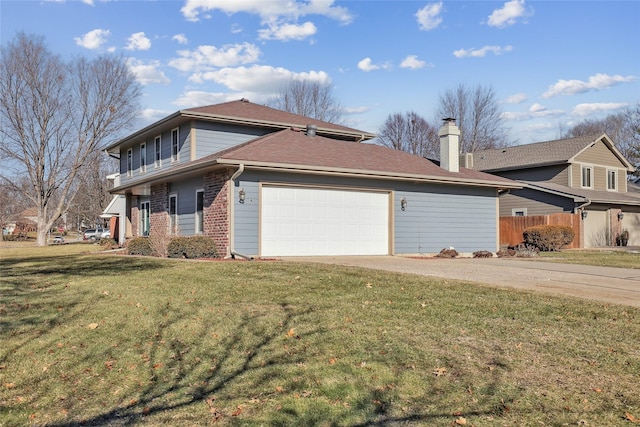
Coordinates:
[263,182]
[585,175]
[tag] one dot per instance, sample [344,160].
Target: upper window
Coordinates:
[143,157]
[519,212]
[587,176]
[129,162]
[174,145]
[157,149]
[612,180]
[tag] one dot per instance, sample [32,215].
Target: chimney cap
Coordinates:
[449,120]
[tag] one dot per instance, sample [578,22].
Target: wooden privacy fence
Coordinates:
[511,227]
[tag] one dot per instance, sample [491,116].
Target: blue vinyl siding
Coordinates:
[214,137]
[437,216]
[186,191]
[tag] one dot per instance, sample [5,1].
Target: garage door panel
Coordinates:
[311,221]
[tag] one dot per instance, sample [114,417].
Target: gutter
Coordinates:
[230,249]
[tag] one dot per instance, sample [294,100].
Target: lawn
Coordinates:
[599,257]
[101,340]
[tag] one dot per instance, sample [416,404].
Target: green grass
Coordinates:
[600,257]
[99,340]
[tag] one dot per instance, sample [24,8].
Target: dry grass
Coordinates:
[104,341]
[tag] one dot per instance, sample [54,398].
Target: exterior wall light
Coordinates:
[241,195]
[620,216]
[403,204]
[584,214]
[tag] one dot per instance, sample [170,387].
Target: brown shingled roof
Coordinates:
[294,149]
[244,109]
[541,153]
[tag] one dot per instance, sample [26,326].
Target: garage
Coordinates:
[303,221]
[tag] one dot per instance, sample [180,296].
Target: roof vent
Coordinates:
[244,100]
[311,130]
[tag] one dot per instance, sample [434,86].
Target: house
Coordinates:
[263,182]
[585,175]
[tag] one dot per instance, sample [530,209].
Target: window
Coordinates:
[519,212]
[612,180]
[199,211]
[129,162]
[587,177]
[174,145]
[157,148]
[143,157]
[144,218]
[173,214]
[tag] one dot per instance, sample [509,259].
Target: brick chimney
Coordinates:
[449,135]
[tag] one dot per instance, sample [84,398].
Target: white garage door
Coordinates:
[310,221]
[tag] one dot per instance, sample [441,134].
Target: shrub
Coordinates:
[447,253]
[192,247]
[548,237]
[139,246]
[108,244]
[482,254]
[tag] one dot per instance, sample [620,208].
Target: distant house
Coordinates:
[263,182]
[585,175]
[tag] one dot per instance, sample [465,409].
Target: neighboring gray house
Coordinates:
[263,182]
[586,175]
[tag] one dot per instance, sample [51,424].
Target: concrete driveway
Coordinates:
[605,284]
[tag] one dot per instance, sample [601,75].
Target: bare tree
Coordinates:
[410,133]
[623,128]
[54,116]
[309,99]
[478,116]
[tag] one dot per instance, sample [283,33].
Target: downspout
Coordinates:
[231,252]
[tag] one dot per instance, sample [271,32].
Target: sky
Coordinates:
[552,64]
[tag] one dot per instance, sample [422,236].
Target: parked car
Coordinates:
[58,240]
[93,234]
[106,234]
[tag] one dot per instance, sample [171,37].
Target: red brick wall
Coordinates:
[216,209]
[135,216]
[159,206]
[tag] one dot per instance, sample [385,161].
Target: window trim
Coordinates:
[173,217]
[157,151]
[514,211]
[143,157]
[130,162]
[198,216]
[613,172]
[175,145]
[591,170]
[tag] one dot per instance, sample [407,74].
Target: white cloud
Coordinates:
[288,31]
[482,52]
[535,111]
[89,2]
[180,38]
[149,115]
[596,82]
[517,98]
[138,41]
[592,108]
[196,98]
[367,65]
[510,13]
[355,110]
[412,61]
[207,57]
[429,16]
[269,11]
[261,79]
[147,73]
[94,39]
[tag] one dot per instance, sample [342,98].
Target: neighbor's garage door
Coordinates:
[299,221]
